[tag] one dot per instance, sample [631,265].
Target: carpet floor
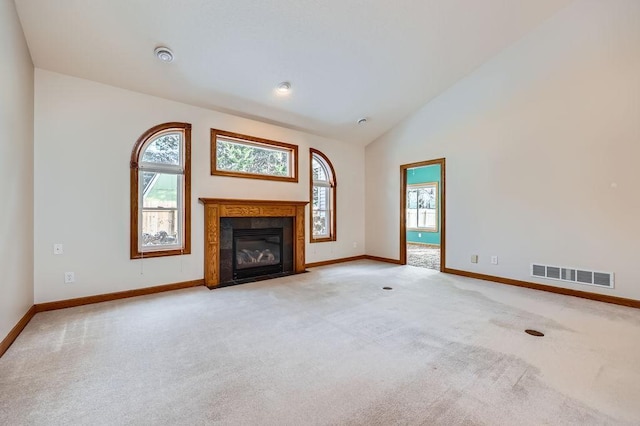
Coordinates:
[423,256]
[329,347]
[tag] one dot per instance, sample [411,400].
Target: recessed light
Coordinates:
[362,120]
[164,54]
[284,88]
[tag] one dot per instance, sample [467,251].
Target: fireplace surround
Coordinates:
[271,214]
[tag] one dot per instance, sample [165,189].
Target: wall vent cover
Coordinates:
[574,275]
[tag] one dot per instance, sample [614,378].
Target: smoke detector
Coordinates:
[164,54]
[284,88]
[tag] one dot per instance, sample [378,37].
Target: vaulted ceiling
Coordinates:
[345,59]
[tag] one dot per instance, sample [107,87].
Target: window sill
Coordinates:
[159,253]
[253,176]
[321,240]
[423,229]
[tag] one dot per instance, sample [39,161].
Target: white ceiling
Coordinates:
[346,59]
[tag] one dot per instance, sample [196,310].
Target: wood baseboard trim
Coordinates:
[551,289]
[15,331]
[350,259]
[383,259]
[334,261]
[69,303]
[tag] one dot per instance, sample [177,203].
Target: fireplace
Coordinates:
[257,252]
[224,216]
[253,248]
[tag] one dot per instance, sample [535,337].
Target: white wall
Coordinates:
[542,145]
[16,171]
[84,134]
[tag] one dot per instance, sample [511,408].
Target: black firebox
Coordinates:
[257,252]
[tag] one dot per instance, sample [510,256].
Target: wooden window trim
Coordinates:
[292,148]
[134,197]
[421,185]
[334,197]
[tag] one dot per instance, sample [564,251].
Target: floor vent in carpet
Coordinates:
[534,333]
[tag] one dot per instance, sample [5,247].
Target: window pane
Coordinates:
[147,178]
[430,197]
[164,149]
[426,218]
[412,218]
[321,211]
[160,190]
[160,227]
[160,202]
[422,205]
[431,218]
[320,223]
[254,159]
[318,171]
[412,199]
[321,200]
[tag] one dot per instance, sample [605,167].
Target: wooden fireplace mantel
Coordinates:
[215,208]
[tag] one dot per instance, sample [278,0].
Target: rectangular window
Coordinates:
[161,205]
[422,207]
[244,156]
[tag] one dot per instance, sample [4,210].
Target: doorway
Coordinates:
[422,214]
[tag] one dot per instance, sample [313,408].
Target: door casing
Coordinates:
[443,209]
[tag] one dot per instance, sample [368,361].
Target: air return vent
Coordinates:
[574,275]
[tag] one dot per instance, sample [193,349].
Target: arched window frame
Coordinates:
[184,201]
[331,183]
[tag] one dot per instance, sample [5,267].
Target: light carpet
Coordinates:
[329,347]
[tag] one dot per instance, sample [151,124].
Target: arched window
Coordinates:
[323,198]
[161,192]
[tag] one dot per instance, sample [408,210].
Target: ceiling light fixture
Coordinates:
[164,54]
[284,88]
[362,120]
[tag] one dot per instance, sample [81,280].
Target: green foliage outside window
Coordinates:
[252,159]
[163,150]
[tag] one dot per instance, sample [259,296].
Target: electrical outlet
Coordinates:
[355,244]
[69,277]
[474,258]
[419,234]
[57,249]
[494,260]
